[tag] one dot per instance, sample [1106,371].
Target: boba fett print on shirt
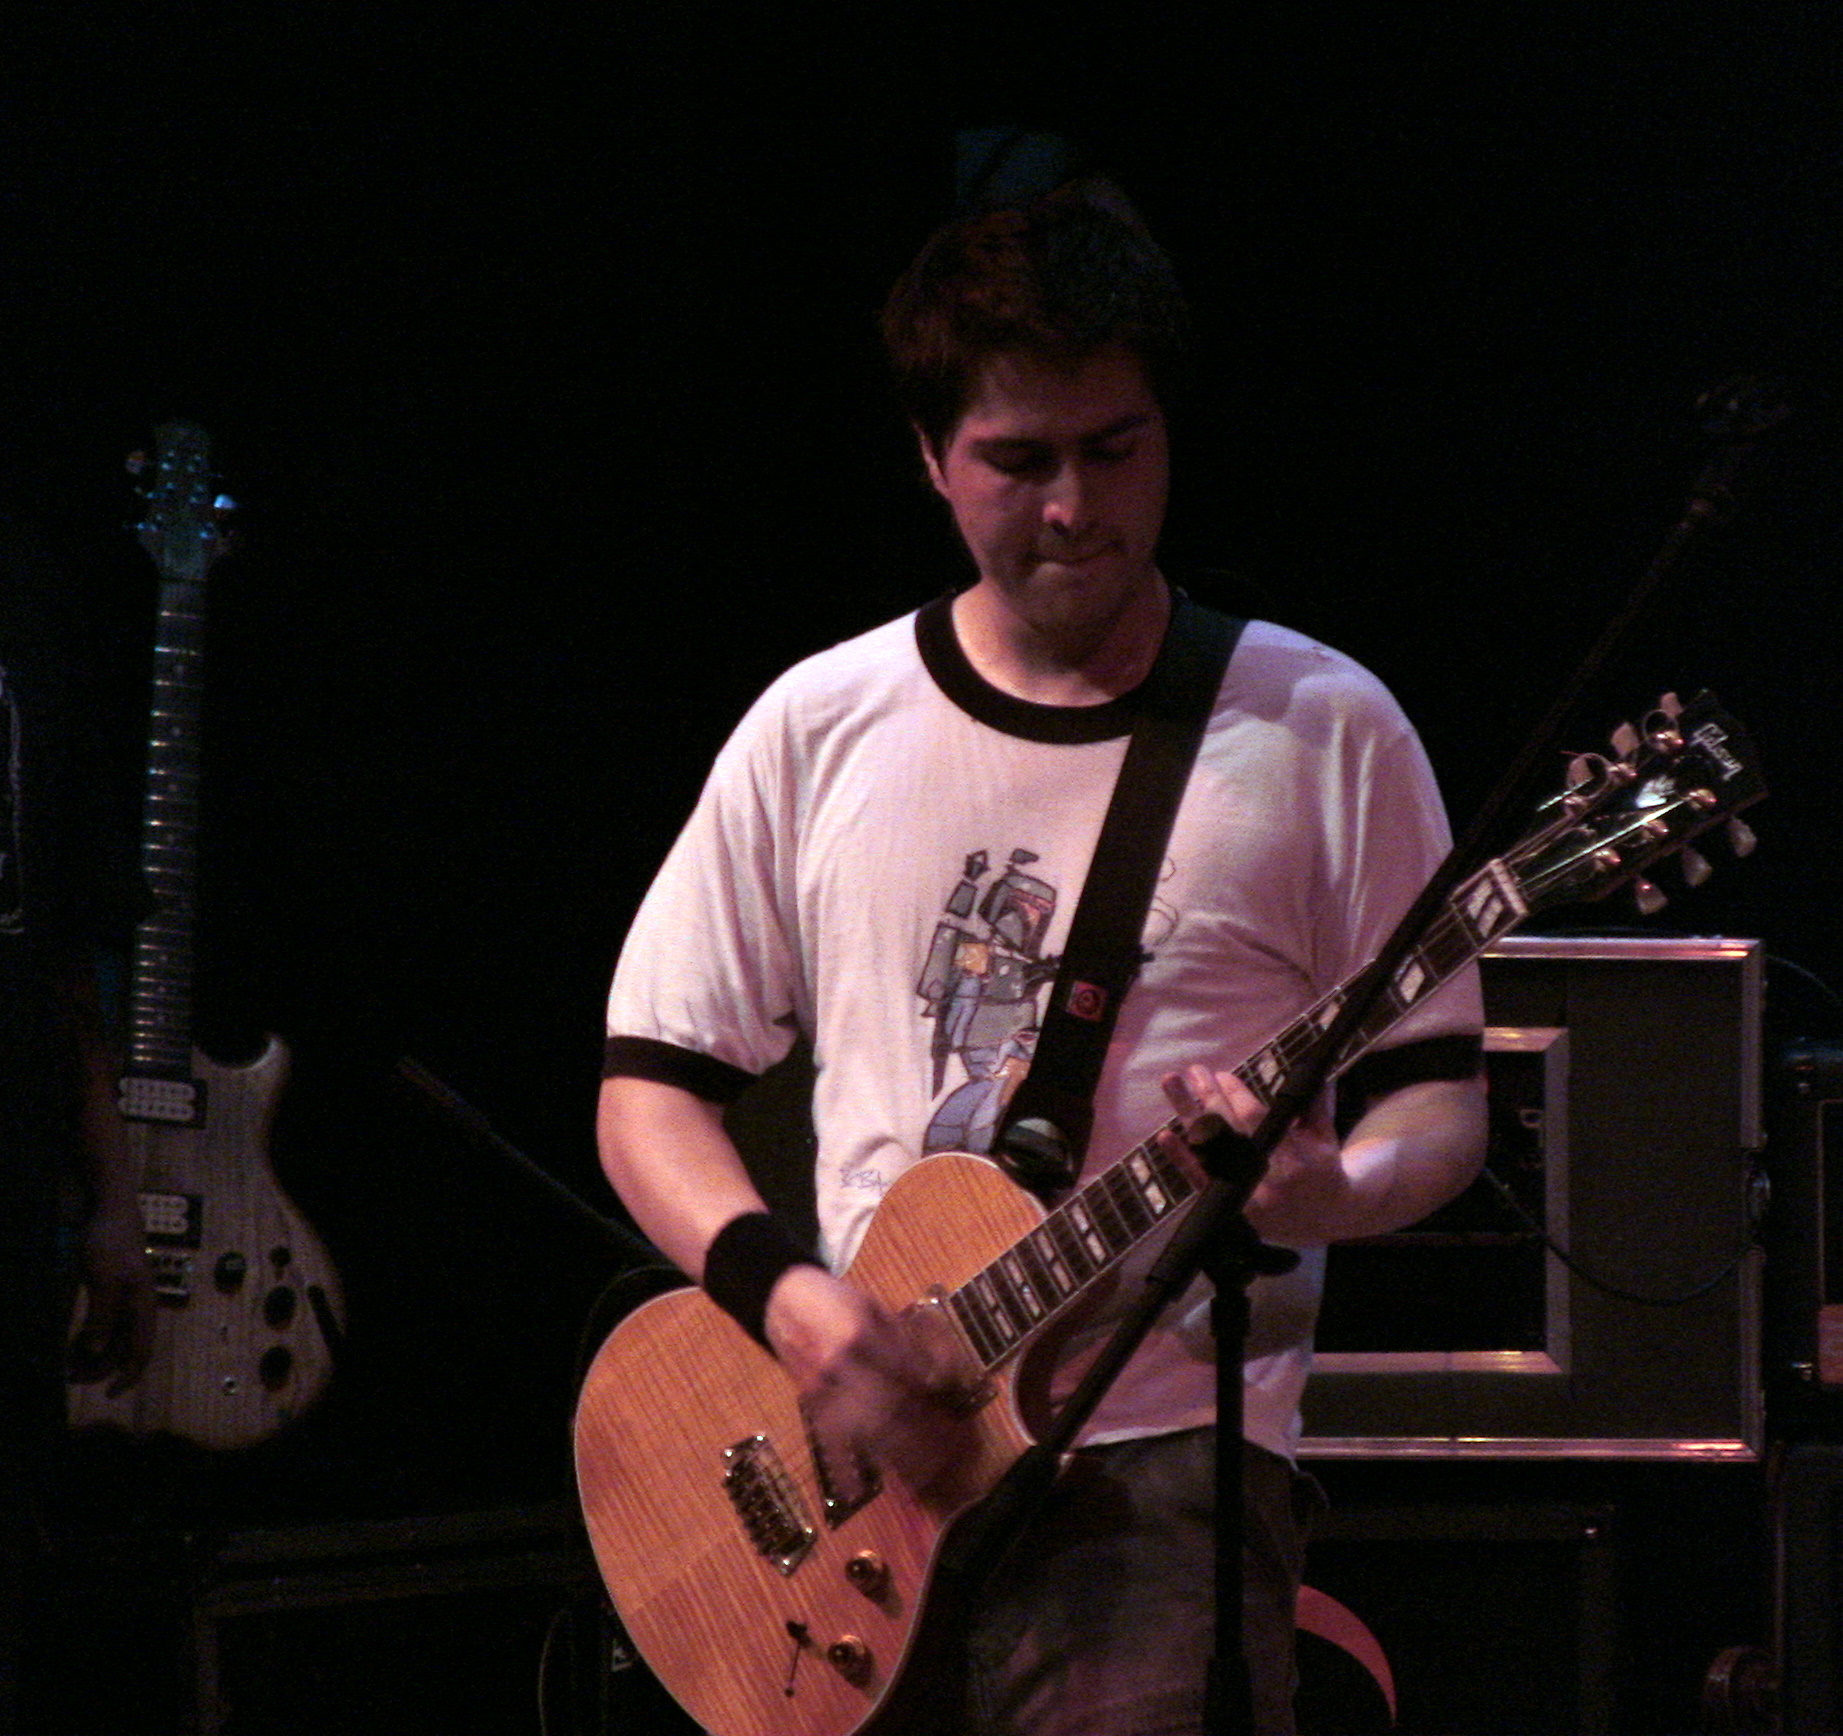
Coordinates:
[981,987]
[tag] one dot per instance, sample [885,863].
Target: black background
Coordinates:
[537,345]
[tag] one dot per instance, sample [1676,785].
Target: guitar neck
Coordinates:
[1687,769]
[1481,909]
[160,991]
[1103,1221]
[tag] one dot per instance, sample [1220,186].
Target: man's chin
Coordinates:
[1100,586]
[1075,604]
[1101,560]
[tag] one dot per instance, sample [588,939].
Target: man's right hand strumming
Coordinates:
[880,1391]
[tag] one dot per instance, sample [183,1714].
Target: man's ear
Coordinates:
[930,462]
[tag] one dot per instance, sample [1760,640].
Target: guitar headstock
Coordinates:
[182,527]
[1685,769]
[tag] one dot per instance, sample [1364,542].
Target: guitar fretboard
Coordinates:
[1480,909]
[1078,1241]
[160,997]
[1103,1221]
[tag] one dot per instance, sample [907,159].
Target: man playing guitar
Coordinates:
[885,859]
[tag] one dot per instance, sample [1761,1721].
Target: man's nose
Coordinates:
[1067,500]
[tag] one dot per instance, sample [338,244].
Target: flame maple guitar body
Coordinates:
[680,1398]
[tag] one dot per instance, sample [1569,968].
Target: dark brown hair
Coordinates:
[1059,277]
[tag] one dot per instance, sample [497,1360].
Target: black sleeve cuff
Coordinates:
[1384,1070]
[667,1064]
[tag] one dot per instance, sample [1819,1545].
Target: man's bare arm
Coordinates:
[870,1388]
[674,1166]
[1410,1152]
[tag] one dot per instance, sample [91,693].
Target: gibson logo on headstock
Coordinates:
[1713,741]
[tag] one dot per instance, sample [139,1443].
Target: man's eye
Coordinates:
[1021,463]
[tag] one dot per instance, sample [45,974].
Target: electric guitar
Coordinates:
[768,1606]
[248,1304]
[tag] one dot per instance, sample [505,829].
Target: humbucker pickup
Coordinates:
[176,1102]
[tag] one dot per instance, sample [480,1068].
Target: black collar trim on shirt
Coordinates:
[943,658]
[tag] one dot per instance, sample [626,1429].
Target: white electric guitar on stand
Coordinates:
[249,1306]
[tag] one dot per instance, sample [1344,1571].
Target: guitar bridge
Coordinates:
[767,1503]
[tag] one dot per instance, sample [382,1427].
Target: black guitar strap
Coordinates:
[1045,1130]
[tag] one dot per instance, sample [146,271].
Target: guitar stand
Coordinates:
[479,1132]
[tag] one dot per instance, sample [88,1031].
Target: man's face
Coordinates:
[1057,476]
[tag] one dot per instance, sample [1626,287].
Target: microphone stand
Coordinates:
[473,1126]
[1215,1237]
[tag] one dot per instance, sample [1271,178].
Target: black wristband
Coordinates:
[742,1264]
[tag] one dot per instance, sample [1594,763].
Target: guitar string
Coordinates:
[1010,1318]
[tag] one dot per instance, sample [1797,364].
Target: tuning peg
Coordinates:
[1647,897]
[1661,731]
[1661,724]
[1625,741]
[1740,837]
[1695,867]
[1662,734]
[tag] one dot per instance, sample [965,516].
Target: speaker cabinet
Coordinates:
[1598,1293]
[1492,1617]
[1808,1540]
[414,1627]
[1805,1225]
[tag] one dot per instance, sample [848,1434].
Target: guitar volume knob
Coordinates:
[868,1572]
[850,1657]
